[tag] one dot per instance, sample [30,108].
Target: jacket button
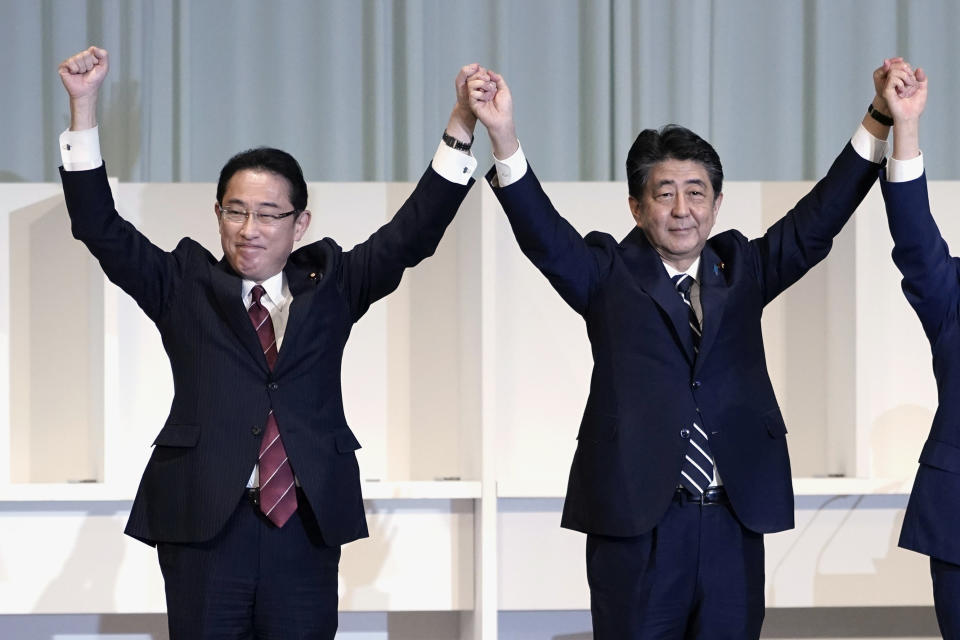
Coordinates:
[685,433]
[696,384]
[273,386]
[256,431]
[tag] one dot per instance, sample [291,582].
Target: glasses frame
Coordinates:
[266,219]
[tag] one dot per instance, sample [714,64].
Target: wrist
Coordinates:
[83,113]
[879,105]
[906,139]
[504,142]
[461,124]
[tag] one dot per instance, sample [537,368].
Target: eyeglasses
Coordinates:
[239,216]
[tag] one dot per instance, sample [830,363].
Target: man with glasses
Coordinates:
[253,483]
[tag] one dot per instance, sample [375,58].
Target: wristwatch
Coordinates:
[882,118]
[453,143]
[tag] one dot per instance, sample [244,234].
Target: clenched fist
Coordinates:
[83,73]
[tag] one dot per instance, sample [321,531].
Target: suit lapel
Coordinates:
[227,288]
[713,300]
[302,287]
[647,267]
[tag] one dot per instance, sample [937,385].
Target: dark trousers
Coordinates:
[253,580]
[946,597]
[697,575]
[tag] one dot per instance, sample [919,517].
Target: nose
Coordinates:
[679,205]
[249,227]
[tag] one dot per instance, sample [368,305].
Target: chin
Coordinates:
[244,271]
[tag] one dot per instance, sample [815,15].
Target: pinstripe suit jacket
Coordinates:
[223,388]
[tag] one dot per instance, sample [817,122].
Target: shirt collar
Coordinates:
[274,286]
[692,271]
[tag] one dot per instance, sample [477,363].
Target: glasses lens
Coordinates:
[266,219]
[232,215]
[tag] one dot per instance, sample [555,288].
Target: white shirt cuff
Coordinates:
[80,150]
[511,169]
[455,166]
[905,170]
[867,146]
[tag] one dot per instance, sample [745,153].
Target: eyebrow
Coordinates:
[259,206]
[693,181]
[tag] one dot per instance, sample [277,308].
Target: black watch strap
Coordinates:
[882,118]
[453,143]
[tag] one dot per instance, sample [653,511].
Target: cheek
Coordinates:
[224,239]
[282,243]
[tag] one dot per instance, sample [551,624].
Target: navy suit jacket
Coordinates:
[223,388]
[648,385]
[931,282]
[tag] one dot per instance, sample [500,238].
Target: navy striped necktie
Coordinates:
[684,283]
[696,473]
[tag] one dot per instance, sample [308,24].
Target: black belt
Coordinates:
[712,496]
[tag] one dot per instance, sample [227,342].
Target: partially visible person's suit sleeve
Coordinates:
[931,283]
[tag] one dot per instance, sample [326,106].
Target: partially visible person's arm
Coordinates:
[930,276]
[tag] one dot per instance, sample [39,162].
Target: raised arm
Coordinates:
[127,257]
[804,237]
[550,242]
[930,278]
[374,267]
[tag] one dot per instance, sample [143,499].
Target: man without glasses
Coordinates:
[681,463]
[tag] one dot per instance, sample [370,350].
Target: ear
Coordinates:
[716,204]
[300,226]
[216,213]
[635,209]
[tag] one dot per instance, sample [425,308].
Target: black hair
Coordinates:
[671,142]
[275,161]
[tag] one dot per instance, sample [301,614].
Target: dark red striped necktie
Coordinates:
[278,496]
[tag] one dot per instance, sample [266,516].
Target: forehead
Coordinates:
[257,186]
[678,172]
